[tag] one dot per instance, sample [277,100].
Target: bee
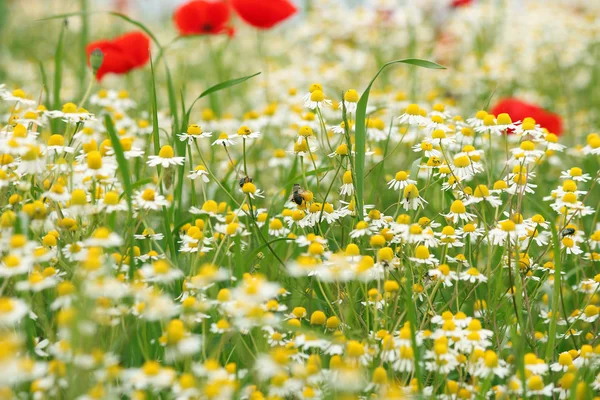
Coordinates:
[567,232]
[296,195]
[245,180]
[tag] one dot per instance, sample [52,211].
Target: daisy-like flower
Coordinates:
[401,180]
[246,133]
[551,140]
[150,375]
[199,172]
[112,202]
[39,280]
[361,229]
[530,129]
[317,100]
[98,166]
[70,113]
[351,98]
[427,148]
[251,190]
[347,188]
[423,256]
[482,193]
[526,152]
[478,119]
[536,387]
[56,144]
[223,140]
[411,199]
[464,167]
[444,274]
[506,230]
[149,234]
[413,115]
[564,363]
[150,200]
[58,193]
[472,275]
[12,311]
[277,229]
[279,159]
[449,237]
[496,126]
[161,272]
[103,237]
[593,144]
[193,132]
[570,246]
[165,158]
[17,96]
[458,212]
[575,174]
[14,264]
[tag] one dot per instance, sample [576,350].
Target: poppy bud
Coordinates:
[96,59]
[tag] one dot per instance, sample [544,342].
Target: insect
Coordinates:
[567,232]
[245,180]
[296,195]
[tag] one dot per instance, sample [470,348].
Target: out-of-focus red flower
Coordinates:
[461,3]
[121,54]
[203,17]
[264,14]
[519,110]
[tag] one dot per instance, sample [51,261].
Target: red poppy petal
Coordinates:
[519,110]
[121,54]
[264,14]
[202,17]
[136,46]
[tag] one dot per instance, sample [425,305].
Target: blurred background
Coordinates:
[543,51]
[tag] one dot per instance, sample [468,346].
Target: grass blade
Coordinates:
[58,58]
[361,116]
[220,86]
[126,178]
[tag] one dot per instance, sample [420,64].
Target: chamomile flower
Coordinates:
[165,158]
[246,133]
[193,132]
[458,212]
[199,172]
[411,199]
[317,100]
[223,140]
[575,174]
[413,115]
[347,189]
[148,199]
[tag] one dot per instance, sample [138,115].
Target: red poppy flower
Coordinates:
[121,54]
[202,17]
[519,110]
[263,14]
[461,3]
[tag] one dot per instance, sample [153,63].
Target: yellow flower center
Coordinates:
[166,152]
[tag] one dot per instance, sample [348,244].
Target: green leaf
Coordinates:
[58,58]
[220,86]
[124,170]
[361,114]
[121,160]
[555,295]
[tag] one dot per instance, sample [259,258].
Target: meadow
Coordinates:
[252,199]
